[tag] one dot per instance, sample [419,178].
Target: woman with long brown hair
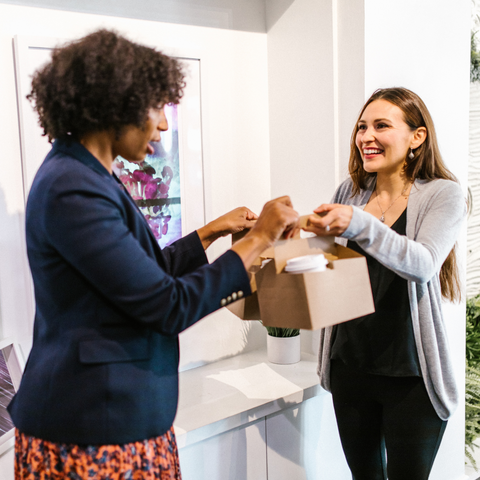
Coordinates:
[390,372]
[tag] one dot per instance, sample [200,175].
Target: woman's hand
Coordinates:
[232,222]
[278,218]
[331,219]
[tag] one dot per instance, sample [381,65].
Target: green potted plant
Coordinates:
[472,378]
[283,345]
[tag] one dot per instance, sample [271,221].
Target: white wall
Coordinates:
[301,86]
[274,10]
[350,37]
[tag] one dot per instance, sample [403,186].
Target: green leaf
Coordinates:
[282,332]
[474,60]
[472,411]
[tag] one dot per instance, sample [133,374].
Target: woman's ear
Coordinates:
[419,137]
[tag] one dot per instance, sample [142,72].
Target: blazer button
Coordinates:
[234,296]
[229,299]
[240,294]
[223,302]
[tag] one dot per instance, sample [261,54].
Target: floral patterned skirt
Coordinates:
[153,459]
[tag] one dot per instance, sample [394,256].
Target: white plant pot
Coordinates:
[283,350]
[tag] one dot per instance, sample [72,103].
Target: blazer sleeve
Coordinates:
[185,255]
[85,225]
[438,214]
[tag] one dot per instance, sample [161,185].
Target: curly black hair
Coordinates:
[100,82]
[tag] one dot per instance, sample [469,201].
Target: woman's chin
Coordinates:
[136,160]
[369,168]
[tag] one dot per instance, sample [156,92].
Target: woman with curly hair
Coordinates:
[99,392]
[390,373]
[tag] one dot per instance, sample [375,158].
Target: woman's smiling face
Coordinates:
[383,138]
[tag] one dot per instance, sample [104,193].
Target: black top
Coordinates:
[381,343]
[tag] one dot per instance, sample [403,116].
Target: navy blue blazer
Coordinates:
[110,304]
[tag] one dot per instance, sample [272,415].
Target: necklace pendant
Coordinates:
[382,218]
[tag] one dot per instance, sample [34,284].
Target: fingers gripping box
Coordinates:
[312,300]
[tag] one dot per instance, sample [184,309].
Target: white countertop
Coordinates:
[223,395]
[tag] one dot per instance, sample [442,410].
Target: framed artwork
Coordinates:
[155,183]
[11,368]
[168,185]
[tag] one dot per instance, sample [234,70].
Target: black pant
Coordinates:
[379,415]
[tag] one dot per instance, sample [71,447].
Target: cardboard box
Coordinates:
[317,299]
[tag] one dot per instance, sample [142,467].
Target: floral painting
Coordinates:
[154,184]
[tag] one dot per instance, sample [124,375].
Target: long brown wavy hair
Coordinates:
[427,164]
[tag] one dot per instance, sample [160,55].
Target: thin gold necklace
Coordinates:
[382,218]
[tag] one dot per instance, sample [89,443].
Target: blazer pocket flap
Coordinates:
[108,350]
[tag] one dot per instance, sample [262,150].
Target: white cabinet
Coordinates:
[303,443]
[6,465]
[238,454]
[300,442]
[241,415]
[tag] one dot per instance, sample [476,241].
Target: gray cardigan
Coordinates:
[435,213]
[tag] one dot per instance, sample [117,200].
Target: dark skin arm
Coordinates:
[232,222]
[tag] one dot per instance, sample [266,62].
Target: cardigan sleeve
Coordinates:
[438,211]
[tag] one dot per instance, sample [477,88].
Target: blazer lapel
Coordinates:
[79,152]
